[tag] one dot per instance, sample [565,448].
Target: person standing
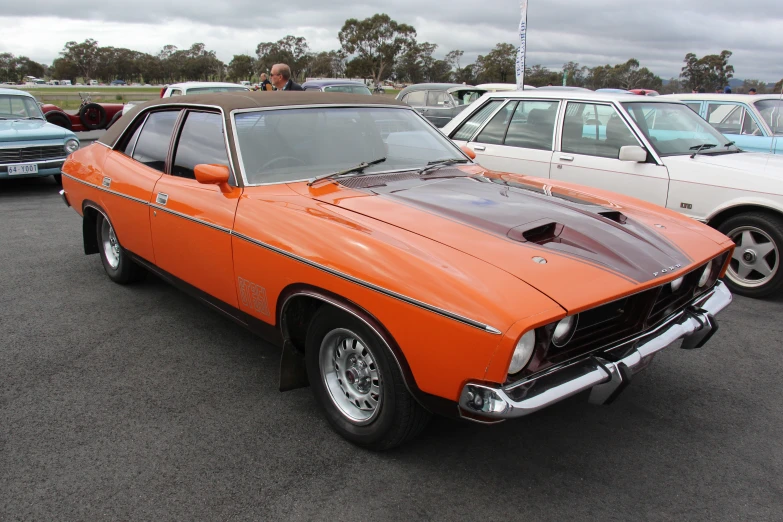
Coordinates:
[265,84]
[281,78]
[752,91]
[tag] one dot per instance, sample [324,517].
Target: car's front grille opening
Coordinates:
[26,154]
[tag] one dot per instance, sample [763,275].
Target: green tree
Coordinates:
[8,68]
[778,87]
[241,67]
[376,42]
[711,72]
[539,76]
[499,65]
[760,86]
[27,67]
[290,50]
[575,75]
[63,69]
[84,55]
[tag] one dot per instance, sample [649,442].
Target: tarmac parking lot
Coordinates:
[137,402]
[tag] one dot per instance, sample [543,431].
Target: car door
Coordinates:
[191,222]
[735,121]
[131,174]
[518,138]
[590,139]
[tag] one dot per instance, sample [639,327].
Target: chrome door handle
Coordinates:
[479,147]
[566,158]
[162,198]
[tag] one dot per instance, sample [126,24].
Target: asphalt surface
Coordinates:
[138,403]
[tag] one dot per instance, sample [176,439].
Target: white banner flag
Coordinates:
[521,50]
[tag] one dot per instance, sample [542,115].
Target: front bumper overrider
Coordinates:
[607,372]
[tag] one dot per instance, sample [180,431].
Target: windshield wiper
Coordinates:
[699,148]
[356,168]
[432,165]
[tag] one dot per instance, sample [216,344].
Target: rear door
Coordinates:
[191,222]
[590,141]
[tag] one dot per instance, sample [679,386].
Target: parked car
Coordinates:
[439,102]
[399,278]
[652,148]
[91,115]
[183,89]
[118,82]
[754,123]
[336,86]
[29,146]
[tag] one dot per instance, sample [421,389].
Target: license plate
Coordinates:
[22,169]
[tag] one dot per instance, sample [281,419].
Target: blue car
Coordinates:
[752,122]
[29,145]
[336,86]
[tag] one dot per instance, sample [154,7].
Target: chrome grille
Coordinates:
[26,154]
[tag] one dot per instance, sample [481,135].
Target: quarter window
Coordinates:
[153,144]
[416,98]
[472,124]
[595,130]
[201,141]
[695,107]
[749,125]
[437,98]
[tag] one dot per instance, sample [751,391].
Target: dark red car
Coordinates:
[91,116]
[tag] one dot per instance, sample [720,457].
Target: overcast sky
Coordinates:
[597,32]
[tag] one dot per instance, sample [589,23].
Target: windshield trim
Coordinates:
[649,142]
[241,163]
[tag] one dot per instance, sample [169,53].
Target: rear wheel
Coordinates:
[118,265]
[93,116]
[58,118]
[356,380]
[754,270]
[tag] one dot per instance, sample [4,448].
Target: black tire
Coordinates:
[58,178]
[59,118]
[398,418]
[114,118]
[765,232]
[125,271]
[93,116]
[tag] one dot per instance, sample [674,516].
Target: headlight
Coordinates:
[677,283]
[705,276]
[564,330]
[71,145]
[522,352]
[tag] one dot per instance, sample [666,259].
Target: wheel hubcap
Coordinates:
[756,258]
[351,376]
[111,247]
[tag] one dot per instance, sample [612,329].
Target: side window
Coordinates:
[127,147]
[495,131]
[153,144]
[595,130]
[725,117]
[749,125]
[201,141]
[416,98]
[437,98]
[532,125]
[471,125]
[175,92]
[694,106]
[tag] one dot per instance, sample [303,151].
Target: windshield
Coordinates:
[353,89]
[198,90]
[674,129]
[466,97]
[297,144]
[770,111]
[18,107]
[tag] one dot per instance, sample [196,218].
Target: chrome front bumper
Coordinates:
[606,372]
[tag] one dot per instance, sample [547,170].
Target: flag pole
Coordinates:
[522,48]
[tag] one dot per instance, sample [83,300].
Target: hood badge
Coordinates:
[539,260]
[667,270]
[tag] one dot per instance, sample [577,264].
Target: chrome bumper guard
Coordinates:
[64,195]
[606,372]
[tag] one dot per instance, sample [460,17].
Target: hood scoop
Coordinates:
[540,232]
[614,215]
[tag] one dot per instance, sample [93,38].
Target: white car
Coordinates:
[182,89]
[497,87]
[652,148]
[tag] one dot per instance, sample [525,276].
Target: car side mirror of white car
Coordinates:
[633,153]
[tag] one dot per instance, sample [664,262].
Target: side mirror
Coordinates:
[633,153]
[468,152]
[213,175]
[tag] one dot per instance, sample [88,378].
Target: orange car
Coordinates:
[399,278]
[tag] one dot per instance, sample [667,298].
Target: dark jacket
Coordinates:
[292,86]
[266,85]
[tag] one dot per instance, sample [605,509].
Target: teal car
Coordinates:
[29,145]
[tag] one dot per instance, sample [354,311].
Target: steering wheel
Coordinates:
[298,162]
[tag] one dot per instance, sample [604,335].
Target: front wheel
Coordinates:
[754,270]
[356,380]
[118,265]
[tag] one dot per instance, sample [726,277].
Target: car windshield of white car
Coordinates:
[674,129]
[770,110]
[297,144]
[352,89]
[14,107]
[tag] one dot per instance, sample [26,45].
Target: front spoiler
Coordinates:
[606,372]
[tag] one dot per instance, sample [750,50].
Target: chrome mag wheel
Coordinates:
[351,376]
[756,258]
[111,248]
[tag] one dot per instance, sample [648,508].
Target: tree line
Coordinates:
[377,48]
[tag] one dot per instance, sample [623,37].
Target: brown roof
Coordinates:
[229,101]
